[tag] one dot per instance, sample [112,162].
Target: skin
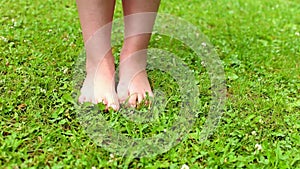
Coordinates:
[95,16]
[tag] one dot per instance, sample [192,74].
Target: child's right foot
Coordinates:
[99,85]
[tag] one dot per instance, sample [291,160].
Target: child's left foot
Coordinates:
[133,84]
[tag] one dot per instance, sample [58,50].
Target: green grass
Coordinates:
[258,42]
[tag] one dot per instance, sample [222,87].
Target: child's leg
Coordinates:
[139,84]
[99,83]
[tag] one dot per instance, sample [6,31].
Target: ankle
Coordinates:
[132,50]
[106,63]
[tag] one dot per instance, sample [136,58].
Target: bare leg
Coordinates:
[95,16]
[139,85]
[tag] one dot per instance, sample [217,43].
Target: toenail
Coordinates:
[113,106]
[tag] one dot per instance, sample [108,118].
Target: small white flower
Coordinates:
[111,156]
[65,70]
[258,147]
[184,166]
[297,34]
[165,130]
[43,90]
[254,133]
[94,168]
[204,44]
[4,39]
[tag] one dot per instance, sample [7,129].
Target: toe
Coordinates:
[113,106]
[140,98]
[94,100]
[81,99]
[112,102]
[100,100]
[90,100]
[122,100]
[132,100]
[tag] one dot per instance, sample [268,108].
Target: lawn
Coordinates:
[257,42]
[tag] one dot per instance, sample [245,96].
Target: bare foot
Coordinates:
[133,84]
[99,85]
